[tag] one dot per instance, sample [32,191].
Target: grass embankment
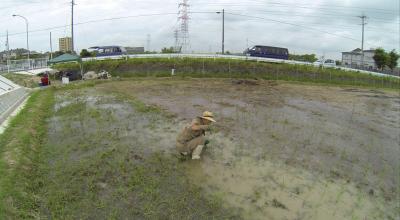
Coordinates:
[20,147]
[224,68]
[23,80]
[77,166]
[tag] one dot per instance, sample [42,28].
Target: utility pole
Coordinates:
[223,30]
[363,17]
[51,48]
[8,53]
[72,25]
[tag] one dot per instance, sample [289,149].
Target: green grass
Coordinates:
[23,80]
[223,68]
[20,147]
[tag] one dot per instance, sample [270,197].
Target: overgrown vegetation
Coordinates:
[224,68]
[23,80]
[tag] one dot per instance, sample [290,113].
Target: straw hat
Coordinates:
[208,116]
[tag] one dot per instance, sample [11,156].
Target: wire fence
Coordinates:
[234,57]
[24,65]
[233,68]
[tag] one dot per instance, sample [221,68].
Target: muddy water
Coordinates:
[103,121]
[291,152]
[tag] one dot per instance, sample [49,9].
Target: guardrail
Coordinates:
[233,57]
[10,100]
[6,85]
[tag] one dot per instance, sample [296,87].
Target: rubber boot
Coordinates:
[196,153]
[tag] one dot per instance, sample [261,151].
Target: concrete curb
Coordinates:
[12,112]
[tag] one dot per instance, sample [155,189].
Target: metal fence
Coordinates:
[23,65]
[233,57]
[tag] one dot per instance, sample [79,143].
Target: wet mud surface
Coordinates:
[345,140]
[112,159]
[278,151]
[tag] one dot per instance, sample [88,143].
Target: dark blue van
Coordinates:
[268,52]
[108,51]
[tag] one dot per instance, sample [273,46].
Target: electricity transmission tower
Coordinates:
[363,23]
[148,42]
[184,26]
[176,46]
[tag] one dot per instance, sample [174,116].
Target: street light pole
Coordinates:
[27,36]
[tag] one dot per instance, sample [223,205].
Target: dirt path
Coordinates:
[286,150]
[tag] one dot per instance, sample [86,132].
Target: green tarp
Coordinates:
[65,58]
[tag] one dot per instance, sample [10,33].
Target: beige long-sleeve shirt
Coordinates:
[195,129]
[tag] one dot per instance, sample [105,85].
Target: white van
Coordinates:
[325,63]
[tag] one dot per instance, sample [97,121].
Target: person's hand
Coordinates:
[211,129]
[205,127]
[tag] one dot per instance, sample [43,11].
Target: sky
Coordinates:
[313,26]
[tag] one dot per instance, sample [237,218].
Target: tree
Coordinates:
[168,50]
[311,58]
[58,53]
[393,57]
[381,58]
[85,53]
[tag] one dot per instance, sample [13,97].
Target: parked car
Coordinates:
[325,63]
[268,52]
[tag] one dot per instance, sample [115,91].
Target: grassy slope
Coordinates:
[234,69]
[23,80]
[43,181]
[20,147]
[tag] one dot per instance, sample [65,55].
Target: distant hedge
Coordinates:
[226,68]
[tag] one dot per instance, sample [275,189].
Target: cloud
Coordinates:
[337,17]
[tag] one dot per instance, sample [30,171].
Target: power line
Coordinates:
[93,21]
[19,5]
[329,7]
[340,26]
[301,26]
[315,14]
[203,12]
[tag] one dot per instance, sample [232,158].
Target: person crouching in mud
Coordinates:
[191,140]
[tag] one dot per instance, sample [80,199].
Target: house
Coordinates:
[135,50]
[353,59]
